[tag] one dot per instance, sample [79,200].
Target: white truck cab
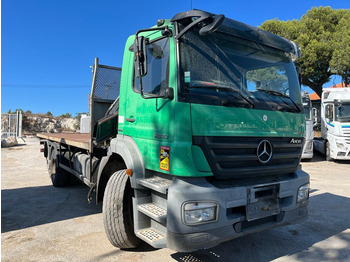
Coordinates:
[335,124]
[309,134]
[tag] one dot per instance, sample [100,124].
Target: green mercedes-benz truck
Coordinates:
[196,140]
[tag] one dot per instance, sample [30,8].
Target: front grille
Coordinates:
[236,157]
[346,132]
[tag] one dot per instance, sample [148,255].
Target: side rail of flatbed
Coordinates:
[72,139]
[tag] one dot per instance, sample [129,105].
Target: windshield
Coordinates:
[342,113]
[225,70]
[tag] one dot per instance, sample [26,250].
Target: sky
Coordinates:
[48,46]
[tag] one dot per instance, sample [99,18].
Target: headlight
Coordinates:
[200,212]
[303,192]
[340,145]
[308,146]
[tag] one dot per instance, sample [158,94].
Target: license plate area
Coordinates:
[263,201]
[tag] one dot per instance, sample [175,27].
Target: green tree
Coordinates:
[271,78]
[323,35]
[66,115]
[28,112]
[48,113]
[21,110]
[15,112]
[340,62]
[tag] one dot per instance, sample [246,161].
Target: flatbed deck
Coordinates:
[73,139]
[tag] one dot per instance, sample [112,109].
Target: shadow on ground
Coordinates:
[33,206]
[318,157]
[328,217]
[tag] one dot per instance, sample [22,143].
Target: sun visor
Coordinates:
[238,29]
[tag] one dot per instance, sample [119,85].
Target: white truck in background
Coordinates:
[309,134]
[334,142]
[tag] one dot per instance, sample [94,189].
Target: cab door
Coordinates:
[150,122]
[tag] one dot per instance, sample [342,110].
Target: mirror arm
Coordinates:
[150,97]
[151,29]
[195,22]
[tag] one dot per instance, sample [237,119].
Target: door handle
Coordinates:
[132,120]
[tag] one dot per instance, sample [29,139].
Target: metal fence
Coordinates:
[107,83]
[11,125]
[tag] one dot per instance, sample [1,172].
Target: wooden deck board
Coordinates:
[72,139]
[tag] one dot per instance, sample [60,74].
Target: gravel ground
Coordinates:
[43,223]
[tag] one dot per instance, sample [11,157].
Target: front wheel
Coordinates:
[118,212]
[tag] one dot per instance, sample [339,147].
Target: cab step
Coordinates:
[156,183]
[153,211]
[152,237]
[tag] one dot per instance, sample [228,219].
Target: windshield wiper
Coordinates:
[279,94]
[228,89]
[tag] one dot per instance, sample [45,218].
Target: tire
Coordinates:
[328,152]
[59,176]
[118,212]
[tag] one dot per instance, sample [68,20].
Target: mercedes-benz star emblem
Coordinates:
[264,151]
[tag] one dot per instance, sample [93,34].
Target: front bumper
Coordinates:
[307,155]
[340,154]
[231,221]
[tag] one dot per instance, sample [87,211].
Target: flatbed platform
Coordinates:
[73,139]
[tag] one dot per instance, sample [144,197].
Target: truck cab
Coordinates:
[334,142]
[203,141]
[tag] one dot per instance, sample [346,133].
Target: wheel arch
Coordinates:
[123,153]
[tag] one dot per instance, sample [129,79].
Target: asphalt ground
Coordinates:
[42,223]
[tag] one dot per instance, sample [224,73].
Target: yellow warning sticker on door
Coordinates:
[164,159]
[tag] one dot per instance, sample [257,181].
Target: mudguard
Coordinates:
[126,148]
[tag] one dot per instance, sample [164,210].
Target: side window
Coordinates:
[156,80]
[329,112]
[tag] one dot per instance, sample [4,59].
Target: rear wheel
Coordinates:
[118,212]
[59,176]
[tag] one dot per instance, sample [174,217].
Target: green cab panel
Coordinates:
[161,128]
[208,120]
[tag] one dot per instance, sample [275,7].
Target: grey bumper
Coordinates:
[231,222]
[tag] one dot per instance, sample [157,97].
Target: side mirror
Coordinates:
[213,26]
[338,103]
[140,62]
[169,93]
